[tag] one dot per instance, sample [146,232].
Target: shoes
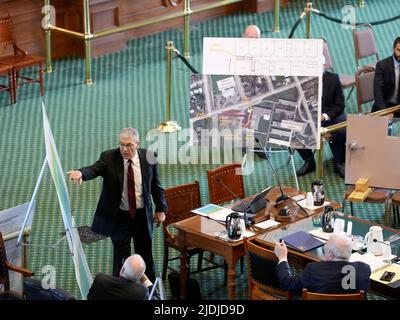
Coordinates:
[308,166]
[339,169]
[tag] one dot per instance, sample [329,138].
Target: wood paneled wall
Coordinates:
[105,14]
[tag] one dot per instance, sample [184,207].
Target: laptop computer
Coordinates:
[259,202]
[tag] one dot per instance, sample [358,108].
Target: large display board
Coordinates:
[269,88]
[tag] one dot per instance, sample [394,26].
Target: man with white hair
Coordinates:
[335,275]
[130,184]
[132,283]
[252,31]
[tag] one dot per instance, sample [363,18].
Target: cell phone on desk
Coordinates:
[387,276]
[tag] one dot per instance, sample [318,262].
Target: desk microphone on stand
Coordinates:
[248,222]
[398,249]
[282,197]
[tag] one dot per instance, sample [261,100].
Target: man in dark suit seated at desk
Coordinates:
[132,284]
[331,276]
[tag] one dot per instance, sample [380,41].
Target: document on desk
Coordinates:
[374,262]
[213,211]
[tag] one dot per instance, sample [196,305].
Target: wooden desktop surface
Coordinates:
[199,231]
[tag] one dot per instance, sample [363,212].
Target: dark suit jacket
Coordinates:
[323,277]
[107,287]
[332,95]
[110,167]
[384,83]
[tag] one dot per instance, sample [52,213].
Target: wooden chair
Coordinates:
[395,207]
[261,265]
[6,70]
[230,176]
[377,196]
[19,59]
[5,266]
[181,200]
[321,296]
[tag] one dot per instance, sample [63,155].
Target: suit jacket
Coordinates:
[384,83]
[110,167]
[332,95]
[108,287]
[323,277]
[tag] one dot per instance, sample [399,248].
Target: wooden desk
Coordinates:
[200,232]
[298,259]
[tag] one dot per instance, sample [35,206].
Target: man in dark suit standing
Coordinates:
[124,211]
[387,80]
[132,283]
[332,113]
[335,275]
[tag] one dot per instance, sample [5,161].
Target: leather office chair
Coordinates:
[320,296]
[180,201]
[261,265]
[230,175]
[365,86]
[346,80]
[364,44]
[19,59]
[6,70]
[5,267]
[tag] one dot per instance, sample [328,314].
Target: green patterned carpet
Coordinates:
[129,90]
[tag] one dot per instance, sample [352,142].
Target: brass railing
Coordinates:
[338,126]
[87,36]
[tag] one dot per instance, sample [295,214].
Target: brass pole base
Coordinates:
[49,70]
[361,4]
[169,126]
[89,82]
[276,29]
[187,55]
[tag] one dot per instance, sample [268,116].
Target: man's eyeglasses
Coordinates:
[128,146]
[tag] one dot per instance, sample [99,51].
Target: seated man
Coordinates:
[132,283]
[387,80]
[332,113]
[335,275]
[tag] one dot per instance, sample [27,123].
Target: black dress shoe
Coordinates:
[339,169]
[308,166]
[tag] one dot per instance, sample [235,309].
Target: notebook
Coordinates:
[302,241]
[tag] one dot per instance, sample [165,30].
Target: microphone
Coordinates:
[248,222]
[283,196]
[398,248]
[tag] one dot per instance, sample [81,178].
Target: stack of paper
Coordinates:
[303,203]
[223,235]
[368,258]
[267,224]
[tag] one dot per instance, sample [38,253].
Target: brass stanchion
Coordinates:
[308,18]
[320,156]
[88,49]
[168,125]
[276,16]
[47,33]
[186,30]
[361,3]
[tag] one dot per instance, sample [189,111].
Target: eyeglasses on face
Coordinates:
[128,146]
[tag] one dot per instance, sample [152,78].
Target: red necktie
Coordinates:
[131,190]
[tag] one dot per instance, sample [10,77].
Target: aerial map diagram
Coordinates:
[278,110]
[265,88]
